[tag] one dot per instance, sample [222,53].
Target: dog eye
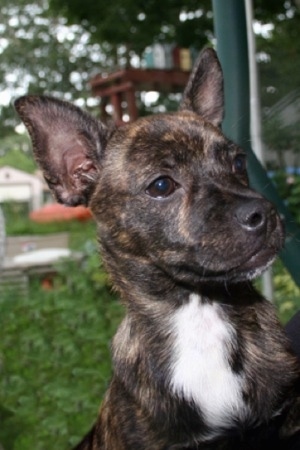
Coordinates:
[162,187]
[239,163]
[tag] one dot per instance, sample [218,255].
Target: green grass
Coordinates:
[55,357]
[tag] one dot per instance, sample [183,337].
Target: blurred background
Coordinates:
[118,60]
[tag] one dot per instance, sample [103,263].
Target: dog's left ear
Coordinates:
[204,93]
[68,145]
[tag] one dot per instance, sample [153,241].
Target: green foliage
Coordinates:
[141,23]
[280,62]
[288,186]
[15,151]
[40,51]
[18,159]
[41,54]
[10,428]
[287,293]
[55,357]
[281,137]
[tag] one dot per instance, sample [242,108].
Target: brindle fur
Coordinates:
[203,238]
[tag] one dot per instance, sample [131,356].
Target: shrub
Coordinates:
[55,356]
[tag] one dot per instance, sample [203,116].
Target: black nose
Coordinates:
[253,214]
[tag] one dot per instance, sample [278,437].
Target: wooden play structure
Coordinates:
[119,88]
[166,69]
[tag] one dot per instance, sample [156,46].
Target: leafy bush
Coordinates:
[286,293]
[288,185]
[55,356]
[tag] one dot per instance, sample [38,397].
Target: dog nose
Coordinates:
[253,215]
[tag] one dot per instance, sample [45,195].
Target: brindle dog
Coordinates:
[200,360]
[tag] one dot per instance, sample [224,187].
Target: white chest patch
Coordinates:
[200,369]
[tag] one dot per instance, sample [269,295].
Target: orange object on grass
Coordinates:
[55,212]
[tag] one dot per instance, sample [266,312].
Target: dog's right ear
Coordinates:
[67,144]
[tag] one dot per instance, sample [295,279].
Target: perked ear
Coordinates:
[204,93]
[67,145]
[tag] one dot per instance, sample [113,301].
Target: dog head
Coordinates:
[169,191]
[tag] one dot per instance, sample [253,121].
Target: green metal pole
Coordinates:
[232,47]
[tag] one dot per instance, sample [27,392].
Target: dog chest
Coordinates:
[200,369]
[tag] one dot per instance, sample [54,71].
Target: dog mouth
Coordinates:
[248,269]
[244,257]
[237,270]
[252,267]
[255,262]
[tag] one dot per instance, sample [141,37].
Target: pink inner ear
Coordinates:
[73,157]
[85,171]
[77,165]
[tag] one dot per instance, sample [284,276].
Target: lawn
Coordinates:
[55,351]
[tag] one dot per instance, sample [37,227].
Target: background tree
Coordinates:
[40,53]
[279,51]
[138,24]
[57,49]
